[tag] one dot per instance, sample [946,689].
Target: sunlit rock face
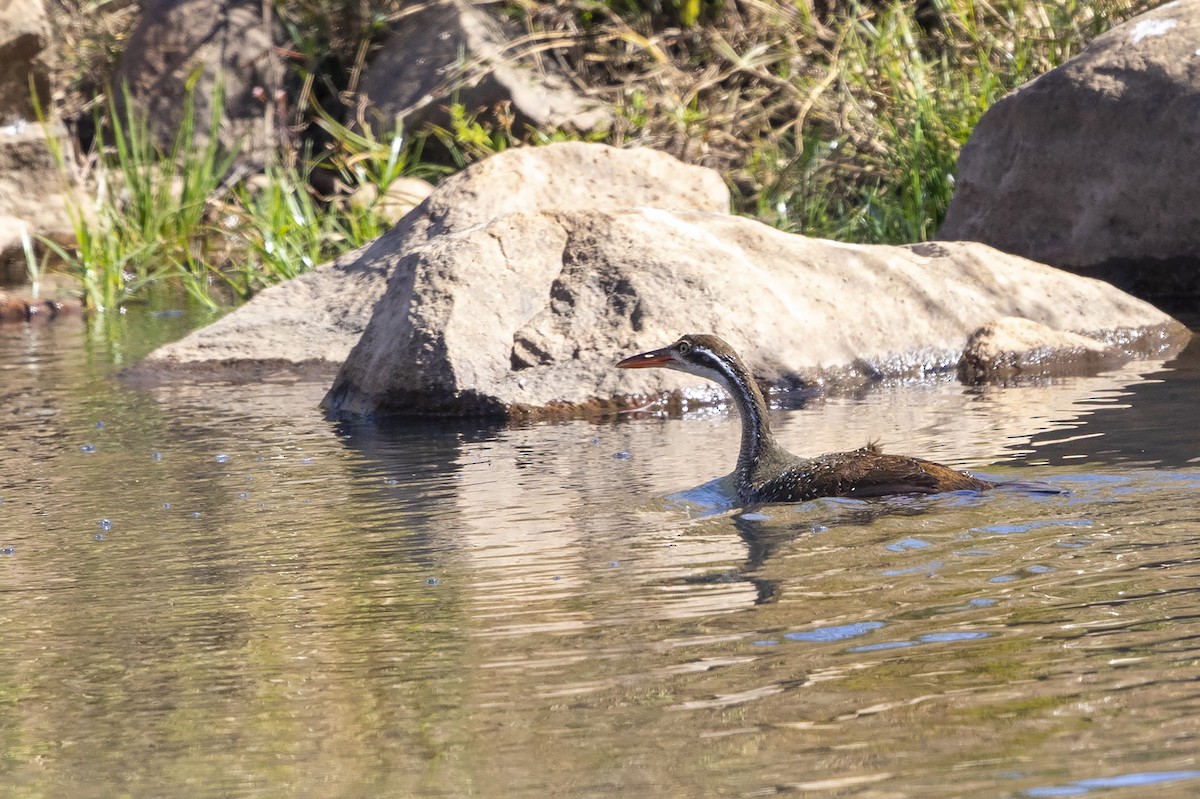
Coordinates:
[1086,166]
[32,202]
[310,323]
[531,309]
[1015,350]
[33,198]
[25,36]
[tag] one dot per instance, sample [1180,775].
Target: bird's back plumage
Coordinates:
[864,472]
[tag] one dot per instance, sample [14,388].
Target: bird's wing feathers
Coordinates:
[871,473]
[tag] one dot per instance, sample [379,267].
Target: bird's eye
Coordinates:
[683,347]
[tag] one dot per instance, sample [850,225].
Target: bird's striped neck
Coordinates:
[757,439]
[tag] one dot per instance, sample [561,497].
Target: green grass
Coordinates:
[146,216]
[284,229]
[891,178]
[143,219]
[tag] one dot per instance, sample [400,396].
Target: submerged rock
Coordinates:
[1013,350]
[35,309]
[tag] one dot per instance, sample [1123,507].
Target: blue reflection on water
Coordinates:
[1120,781]
[838,633]
[1010,529]
[882,646]
[924,568]
[709,499]
[942,638]
[928,638]
[906,543]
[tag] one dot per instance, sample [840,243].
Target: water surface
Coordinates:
[214,591]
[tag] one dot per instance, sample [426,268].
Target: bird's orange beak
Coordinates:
[648,359]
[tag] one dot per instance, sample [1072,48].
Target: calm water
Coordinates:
[216,592]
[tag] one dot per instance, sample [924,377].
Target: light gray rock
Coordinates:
[13,232]
[24,58]
[446,51]
[1013,350]
[33,194]
[1088,166]
[311,322]
[227,42]
[304,327]
[530,310]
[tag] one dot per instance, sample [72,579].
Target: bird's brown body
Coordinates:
[865,472]
[766,472]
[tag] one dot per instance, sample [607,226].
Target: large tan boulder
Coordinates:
[519,282]
[1089,166]
[530,310]
[312,322]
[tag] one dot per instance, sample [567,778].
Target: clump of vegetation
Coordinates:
[143,216]
[139,223]
[835,119]
[840,120]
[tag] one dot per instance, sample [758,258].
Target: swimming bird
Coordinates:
[766,472]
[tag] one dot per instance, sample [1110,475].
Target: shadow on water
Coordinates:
[766,529]
[1150,422]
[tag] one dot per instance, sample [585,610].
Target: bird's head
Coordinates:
[698,354]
